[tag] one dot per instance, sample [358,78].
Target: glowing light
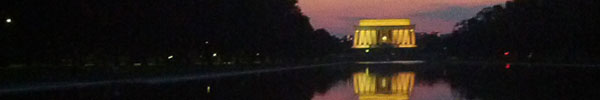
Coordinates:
[384,38]
[367,51]
[205,42]
[170,57]
[507,66]
[257,54]
[214,54]
[361,46]
[137,64]
[207,89]
[384,22]
[506,53]
[383,83]
[8,20]
[407,46]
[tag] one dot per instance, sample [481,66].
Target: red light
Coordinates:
[506,53]
[507,66]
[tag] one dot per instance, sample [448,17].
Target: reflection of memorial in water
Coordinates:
[369,86]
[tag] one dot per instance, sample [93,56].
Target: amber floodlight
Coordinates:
[384,22]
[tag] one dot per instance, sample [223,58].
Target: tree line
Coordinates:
[113,32]
[533,30]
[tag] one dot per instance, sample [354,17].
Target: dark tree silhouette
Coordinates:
[545,30]
[117,32]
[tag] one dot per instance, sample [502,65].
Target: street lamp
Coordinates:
[170,57]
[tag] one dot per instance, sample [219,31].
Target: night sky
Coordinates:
[339,16]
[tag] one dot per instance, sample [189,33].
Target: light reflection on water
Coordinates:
[426,81]
[369,85]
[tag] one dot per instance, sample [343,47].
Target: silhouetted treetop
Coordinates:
[547,29]
[47,30]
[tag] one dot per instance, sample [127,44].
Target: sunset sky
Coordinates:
[339,16]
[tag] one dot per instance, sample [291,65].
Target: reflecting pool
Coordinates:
[365,81]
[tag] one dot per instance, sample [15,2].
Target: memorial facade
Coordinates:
[382,33]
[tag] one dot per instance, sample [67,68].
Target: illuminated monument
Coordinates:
[371,87]
[377,33]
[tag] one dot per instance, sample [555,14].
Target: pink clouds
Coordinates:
[434,24]
[339,16]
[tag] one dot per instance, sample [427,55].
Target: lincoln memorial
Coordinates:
[381,33]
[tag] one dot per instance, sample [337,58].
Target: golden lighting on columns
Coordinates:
[373,33]
[371,87]
[355,35]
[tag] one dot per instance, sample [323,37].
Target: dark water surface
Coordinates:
[425,81]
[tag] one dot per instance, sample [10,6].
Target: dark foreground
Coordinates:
[421,81]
